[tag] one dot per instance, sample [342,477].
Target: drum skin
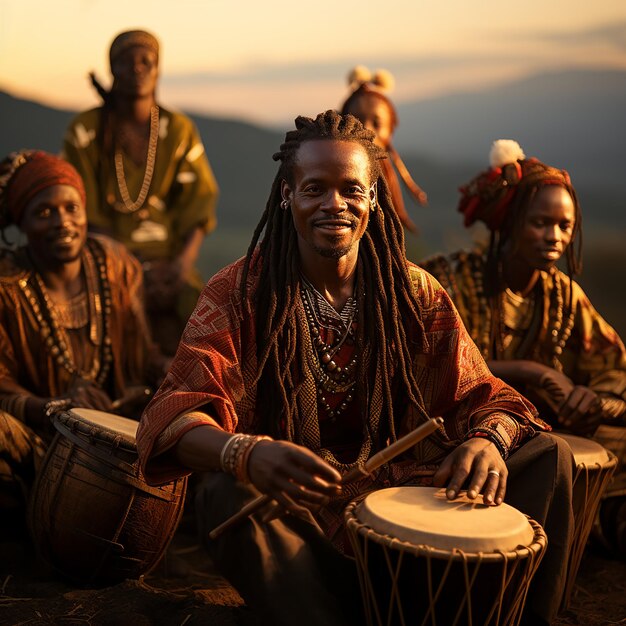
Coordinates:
[92,516]
[404,582]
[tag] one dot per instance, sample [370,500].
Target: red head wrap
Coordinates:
[489,196]
[25,174]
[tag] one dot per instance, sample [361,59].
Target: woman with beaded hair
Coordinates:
[369,104]
[532,322]
[147,180]
[72,328]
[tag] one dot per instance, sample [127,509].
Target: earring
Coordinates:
[284,205]
[373,205]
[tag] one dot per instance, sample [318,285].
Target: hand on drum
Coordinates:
[294,476]
[479,462]
[89,396]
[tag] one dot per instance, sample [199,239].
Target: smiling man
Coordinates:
[312,353]
[72,329]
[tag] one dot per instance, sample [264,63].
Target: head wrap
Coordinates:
[24,174]
[489,196]
[363,83]
[131,38]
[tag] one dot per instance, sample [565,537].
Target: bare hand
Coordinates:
[581,411]
[557,385]
[478,459]
[293,476]
[88,396]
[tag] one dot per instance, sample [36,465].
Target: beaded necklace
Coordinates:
[559,325]
[52,332]
[128,205]
[330,377]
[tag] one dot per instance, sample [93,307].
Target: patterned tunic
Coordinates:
[216,365]
[594,355]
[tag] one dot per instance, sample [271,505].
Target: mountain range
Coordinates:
[570,119]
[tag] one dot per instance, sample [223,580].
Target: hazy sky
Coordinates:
[267,61]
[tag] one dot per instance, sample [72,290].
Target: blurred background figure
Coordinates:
[368,103]
[148,181]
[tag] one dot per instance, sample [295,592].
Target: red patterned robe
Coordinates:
[216,364]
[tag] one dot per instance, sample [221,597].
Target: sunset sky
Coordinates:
[266,61]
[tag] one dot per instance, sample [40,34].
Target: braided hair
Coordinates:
[501,197]
[385,339]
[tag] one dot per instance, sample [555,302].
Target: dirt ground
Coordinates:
[183,590]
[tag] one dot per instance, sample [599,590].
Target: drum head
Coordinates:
[103,422]
[585,451]
[424,516]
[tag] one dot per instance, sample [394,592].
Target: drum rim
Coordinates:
[537,546]
[69,422]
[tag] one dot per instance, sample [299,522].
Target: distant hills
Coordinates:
[571,119]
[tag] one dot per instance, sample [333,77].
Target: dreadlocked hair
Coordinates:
[508,233]
[385,336]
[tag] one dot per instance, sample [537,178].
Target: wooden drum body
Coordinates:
[594,468]
[92,515]
[423,559]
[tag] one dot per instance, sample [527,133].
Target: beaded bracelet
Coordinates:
[229,452]
[241,463]
[490,435]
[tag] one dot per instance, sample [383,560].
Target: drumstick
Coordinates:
[393,450]
[380,458]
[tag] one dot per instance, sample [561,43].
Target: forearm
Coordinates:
[191,249]
[518,372]
[199,449]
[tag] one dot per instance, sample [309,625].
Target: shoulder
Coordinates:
[11,270]
[115,253]
[177,123]
[427,287]
[83,128]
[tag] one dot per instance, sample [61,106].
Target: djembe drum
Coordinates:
[423,559]
[594,468]
[92,515]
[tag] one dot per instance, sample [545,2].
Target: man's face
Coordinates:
[330,198]
[547,229]
[376,116]
[55,224]
[136,71]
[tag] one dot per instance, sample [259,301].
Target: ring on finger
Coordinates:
[494,472]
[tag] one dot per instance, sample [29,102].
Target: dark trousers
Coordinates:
[289,573]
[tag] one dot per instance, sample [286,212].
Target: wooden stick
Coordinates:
[380,458]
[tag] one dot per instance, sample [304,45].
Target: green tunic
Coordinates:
[182,195]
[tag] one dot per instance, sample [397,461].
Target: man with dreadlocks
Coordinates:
[312,353]
[533,323]
[148,181]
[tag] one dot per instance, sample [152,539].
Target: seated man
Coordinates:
[308,356]
[72,328]
[533,323]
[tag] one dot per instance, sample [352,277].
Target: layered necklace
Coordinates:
[128,206]
[330,377]
[51,323]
